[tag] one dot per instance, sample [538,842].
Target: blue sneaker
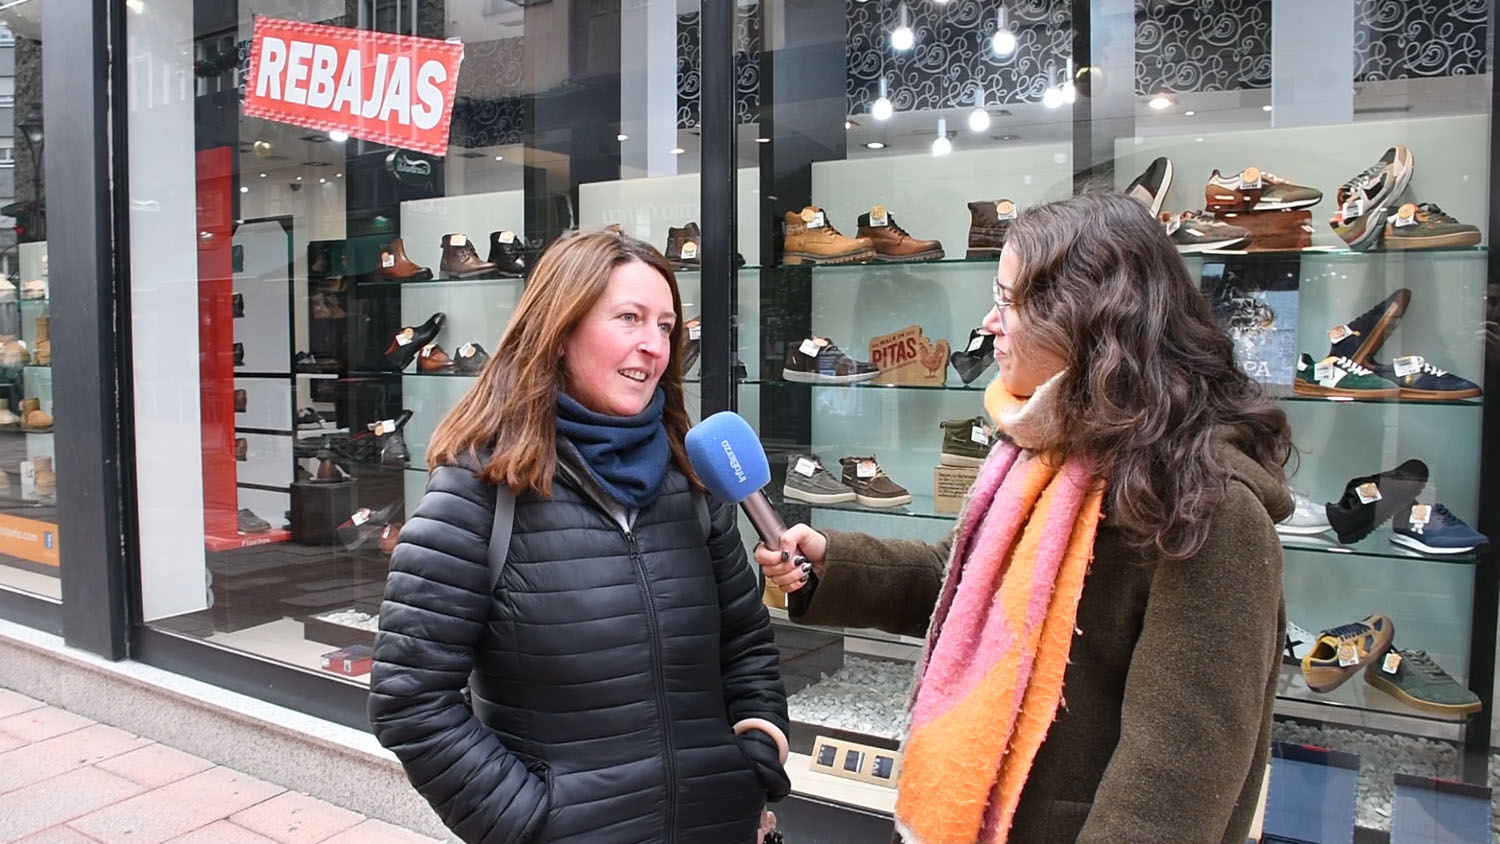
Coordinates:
[1419,379]
[1433,529]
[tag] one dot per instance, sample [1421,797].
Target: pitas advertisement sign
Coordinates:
[396,90]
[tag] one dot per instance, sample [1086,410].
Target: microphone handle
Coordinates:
[767,521]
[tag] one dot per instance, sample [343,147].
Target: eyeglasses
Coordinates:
[1002,304]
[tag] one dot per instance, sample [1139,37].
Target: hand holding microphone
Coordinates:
[729,460]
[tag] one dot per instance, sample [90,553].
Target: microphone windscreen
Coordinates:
[727,455]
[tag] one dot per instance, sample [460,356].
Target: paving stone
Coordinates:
[380,832]
[13,703]
[155,765]
[58,835]
[177,809]
[45,759]
[46,804]
[221,832]
[293,818]
[42,723]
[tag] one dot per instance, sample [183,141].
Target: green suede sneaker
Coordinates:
[1340,377]
[1414,679]
[966,442]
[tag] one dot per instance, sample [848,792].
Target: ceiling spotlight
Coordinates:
[1052,97]
[941,145]
[1189,113]
[881,109]
[1003,42]
[848,125]
[338,175]
[979,119]
[263,175]
[762,140]
[1159,102]
[299,178]
[902,38]
[244,189]
[322,181]
[676,150]
[1265,108]
[874,145]
[499,158]
[338,136]
[622,137]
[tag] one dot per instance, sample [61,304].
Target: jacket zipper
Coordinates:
[669,754]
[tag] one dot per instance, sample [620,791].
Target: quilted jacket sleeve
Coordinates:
[747,650]
[437,599]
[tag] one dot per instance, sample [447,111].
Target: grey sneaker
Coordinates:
[807,480]
[966,442]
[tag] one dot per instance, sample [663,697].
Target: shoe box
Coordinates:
[353,661]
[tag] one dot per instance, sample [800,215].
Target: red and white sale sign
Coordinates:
[391,89]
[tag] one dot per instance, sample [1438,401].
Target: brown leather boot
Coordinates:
[683,245]
[241,401]
[811,239]
[432,358]
[988,223]
[395,266]
[892,243]
[33,418]
[461,259]
[241,449]
[41,344]
[45,483]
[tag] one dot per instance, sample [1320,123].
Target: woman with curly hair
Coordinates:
[1104,625]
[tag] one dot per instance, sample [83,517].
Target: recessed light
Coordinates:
[499,158]
[676,150]
[263,175]
[874,145]
[622,137]
[1265,108]
[244,189]
[848,125]
[1189,113]
[1160,102]
[338,175]
[299,178]
[338,136]
[322,181]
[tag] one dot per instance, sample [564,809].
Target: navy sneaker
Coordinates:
[1433,529]
[1419,379]
[1361,337]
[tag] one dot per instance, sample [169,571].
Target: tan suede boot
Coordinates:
[46,480]
[41,344]
[33,418]
[811,239]
[8,419]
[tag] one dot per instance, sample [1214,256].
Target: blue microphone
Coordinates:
[728,458]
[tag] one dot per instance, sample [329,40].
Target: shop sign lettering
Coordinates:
[396,90]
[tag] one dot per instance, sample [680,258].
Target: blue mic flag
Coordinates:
[727,455]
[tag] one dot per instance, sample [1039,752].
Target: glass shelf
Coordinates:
[391,373]
[977,387]
[1376,545]
[1318,253]
[481,281]
[1285,394]
[1354,694]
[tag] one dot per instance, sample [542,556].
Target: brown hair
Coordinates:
[511,410]
[1151,375]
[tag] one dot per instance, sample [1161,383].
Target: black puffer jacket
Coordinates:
[608,667]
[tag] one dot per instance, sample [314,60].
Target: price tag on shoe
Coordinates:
[866,469]
[1327,374]
[805,467]
[507,237]
[1408,365]
[466,350]
[689,251]
[810,347]
[1173,224]
[1339,333]
[979,435]
[360,516]
[1353,207]
[1368,492]
[457,240]
[1348,654]
[695,331]
[1250,178]
[405,337]
[1005,209]
[427,350]
[1406,215]
[387,260]
[1391,663]
[385,426]
[878,217]
[1421,514]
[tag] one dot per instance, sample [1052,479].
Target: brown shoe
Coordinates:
[432,358]
[892,243]
[872,487]
[988,224]
[33,418]
[328,469]
[41,344]
[811,239]
[241,449]
[45,483]
[395,266]
[461,259]
[241,400]
[683,245]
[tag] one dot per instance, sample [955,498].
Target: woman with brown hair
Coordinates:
[623,680]
[1105,623]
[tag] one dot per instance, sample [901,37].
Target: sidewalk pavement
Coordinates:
[65,779]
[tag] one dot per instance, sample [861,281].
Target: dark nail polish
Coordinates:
[804,579]
[806,566]
[785,556]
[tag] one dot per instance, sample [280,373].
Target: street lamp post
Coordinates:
[31,127]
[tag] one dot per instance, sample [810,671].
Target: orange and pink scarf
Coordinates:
[991,677]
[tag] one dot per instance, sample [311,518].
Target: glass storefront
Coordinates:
[311,290]
[29,546]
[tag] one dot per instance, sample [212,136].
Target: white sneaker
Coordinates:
[1308,517]
[1298,643]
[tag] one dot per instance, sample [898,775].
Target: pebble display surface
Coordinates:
[869,696]
[352,618]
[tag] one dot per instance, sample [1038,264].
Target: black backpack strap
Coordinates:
[505,516]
